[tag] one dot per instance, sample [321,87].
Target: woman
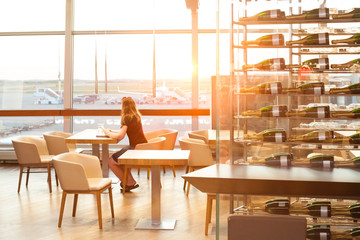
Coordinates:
[130,125]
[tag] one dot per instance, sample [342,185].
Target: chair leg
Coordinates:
[148,173]
[75,204]
[208,212]
[164,170]
[98,198]
[62,209]
[49,177]
[27,176]
[188,187]
[111,202]
[125,178]
[20,177]
[173,168]
[138,171]
[56,179]
[186,171]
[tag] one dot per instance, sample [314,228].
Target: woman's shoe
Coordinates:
[128,188]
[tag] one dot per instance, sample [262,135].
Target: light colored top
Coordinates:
[154,157]
[89,136]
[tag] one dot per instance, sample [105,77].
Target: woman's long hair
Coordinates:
[129,110]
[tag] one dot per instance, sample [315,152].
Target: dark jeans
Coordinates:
[121,152]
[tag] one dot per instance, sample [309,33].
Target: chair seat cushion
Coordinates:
[98,183]
[46,158]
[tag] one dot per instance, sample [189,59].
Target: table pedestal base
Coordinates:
[163,224]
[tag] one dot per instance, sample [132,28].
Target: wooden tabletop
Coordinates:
[155,157]
[89,136]
[264,180]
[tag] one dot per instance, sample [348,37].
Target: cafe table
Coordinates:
[337,183]
[88,136]
[155,159]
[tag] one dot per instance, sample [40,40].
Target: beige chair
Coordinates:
[200,134]
[170,135]
[152,144]
[81,174]
[56,144]
[200,155]
[31,152]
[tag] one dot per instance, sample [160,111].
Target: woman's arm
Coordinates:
[119,134]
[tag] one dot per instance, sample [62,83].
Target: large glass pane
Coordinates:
[207,14]
[122,65]
[113,15]
[174,68]
[34,15]
[172,15]
[31,72]
[33,126]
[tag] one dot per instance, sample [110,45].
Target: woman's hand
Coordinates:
[106,131]
[116,134]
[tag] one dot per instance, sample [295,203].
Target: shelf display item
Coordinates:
[264,88]
[322,161]
[318,13]
[316,88]
[318,232]
[352,139]
[355,13]
[313,39]
[279,160]
[355,39]
[311,112]
[277,135]
[317,136]
[267,40]
[346,65]
[268,64]
[350,89]
[269,111]
[355,113]
[356,161]
[267,15]
[316,63]
[278,207]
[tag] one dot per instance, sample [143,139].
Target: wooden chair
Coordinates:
[152,144]
[81,174]
[170,135]
[56,144]
[200,134]
[200,155]
[31,152]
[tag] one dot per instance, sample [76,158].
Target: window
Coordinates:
[31,65]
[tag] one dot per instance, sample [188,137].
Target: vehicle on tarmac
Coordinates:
[47,96]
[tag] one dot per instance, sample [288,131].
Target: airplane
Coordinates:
[164,95]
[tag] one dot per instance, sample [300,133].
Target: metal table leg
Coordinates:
[156,222]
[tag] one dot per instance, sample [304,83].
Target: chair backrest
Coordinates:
[56,142]
[200,134]
[200,152]
[74,169]
[152,144]
[272,227]
[169,134]
[28,149]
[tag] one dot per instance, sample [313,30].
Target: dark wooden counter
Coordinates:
[264,180]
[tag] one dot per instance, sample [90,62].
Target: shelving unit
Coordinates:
[246,78]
